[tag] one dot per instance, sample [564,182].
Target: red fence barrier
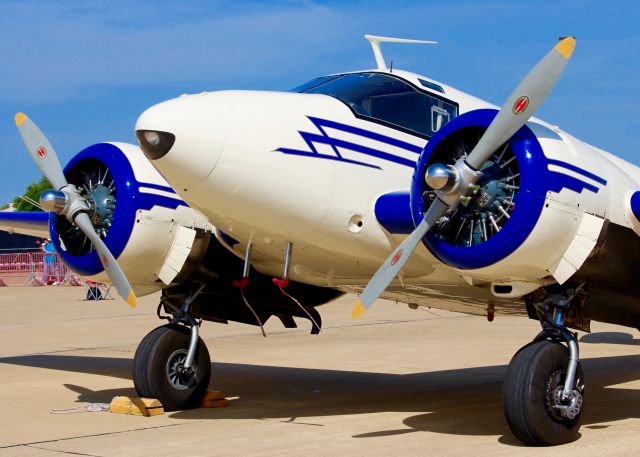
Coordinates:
[33,269]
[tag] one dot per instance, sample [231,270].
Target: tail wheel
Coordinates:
[531,395]
[158,368]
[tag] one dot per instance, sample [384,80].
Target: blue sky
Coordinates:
[84,71]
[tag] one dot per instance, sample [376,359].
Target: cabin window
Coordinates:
[389,99]
[432,86]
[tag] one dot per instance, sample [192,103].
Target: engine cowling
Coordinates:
[146,225]
[537,211]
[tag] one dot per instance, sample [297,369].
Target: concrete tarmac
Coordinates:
[397,382]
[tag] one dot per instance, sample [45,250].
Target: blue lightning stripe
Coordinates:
[578,170]
[170,201]
[312,138]
[325,156]
[157,186]
[366,133]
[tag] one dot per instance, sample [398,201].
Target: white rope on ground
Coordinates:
[86,408]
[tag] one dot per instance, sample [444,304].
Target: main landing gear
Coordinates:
[543,390]
[172,362]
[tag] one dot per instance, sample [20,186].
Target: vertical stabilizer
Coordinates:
[377,52]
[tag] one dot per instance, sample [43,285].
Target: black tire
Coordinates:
[532,377]
[152,368]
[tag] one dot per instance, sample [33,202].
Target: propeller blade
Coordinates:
[523,102]
[394,263]
[40,151]
[67,202]
[116,275]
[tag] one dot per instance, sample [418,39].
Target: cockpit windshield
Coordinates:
[313,83]
[386,98]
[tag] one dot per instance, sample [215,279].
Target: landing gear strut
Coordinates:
[543,390]
[172,362]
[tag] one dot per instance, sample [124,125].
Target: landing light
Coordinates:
[152,138]
[155,144]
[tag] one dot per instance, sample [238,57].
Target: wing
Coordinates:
[34,223]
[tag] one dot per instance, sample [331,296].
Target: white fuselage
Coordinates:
[228,163]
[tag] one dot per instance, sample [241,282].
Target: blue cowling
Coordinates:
[129,200]
[534,182]
[635,205]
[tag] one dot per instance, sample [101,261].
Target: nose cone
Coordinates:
[183,138]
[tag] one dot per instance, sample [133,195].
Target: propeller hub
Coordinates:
[53,201]
[441,177]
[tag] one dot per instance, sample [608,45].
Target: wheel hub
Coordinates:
[180,378]
[570,408]
[559,408]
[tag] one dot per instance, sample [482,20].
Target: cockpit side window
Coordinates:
[389,99]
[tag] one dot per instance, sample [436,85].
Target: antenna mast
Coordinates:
[377,52]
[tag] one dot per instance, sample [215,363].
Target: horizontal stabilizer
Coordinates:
[34,223]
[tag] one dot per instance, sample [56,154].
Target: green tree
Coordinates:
[33,192]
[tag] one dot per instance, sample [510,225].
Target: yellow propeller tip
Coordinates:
[131,300]
[20,118]
[358,309]
[566,47]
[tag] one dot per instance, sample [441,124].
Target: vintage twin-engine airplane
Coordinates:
[235,202]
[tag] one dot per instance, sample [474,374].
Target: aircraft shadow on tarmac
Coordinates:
[466,401]
[610,338]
